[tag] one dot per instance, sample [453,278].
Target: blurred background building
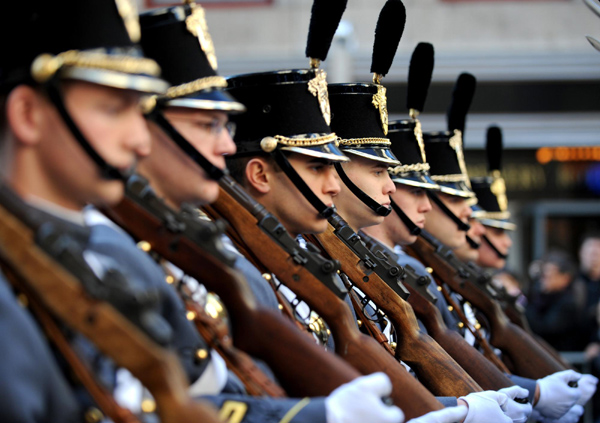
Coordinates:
[538,79]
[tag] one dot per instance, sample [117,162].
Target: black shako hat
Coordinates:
[178,39]
[359,118]
[407,144]
[92,40]
[446,163]
[492,205]
[286,110]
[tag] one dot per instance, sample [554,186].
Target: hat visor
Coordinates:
[458,189]
[416,179]
[379,154]
[500,224]
[327,151]
[213,99]
[115,79]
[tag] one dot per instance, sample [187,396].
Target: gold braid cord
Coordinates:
[449,178]
[360,141]
[493,215]
[417,167]
[269,144]
[46,65]
[195,86]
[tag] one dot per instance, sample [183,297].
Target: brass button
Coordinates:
[93,415]
[201,354]
[190,315]
[144,246]
[148,405]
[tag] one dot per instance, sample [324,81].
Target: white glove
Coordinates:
[571,416]
[587,387]
[360,401]
[486,407]
[519,413]
[446,415]
[556,396]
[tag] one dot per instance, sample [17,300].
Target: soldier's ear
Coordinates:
[259,174]
[25,114]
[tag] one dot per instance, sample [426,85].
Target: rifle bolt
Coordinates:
[148,405]
[144,246]
[190,315]
[201,354]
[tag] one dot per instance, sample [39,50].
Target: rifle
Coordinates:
[422,301]
[194,245]
[313,279]
[380,281]
[527,357]
[50,266]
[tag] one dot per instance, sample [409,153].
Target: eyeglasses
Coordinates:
[216,126]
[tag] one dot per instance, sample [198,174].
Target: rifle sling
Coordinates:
[368,324]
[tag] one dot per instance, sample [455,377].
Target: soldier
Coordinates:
[71,127]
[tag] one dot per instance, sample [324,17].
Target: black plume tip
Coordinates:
[324,20]
[494,148]
[462,96]
[419,76]
[388,32]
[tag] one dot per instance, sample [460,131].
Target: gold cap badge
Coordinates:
[318,87]
[196,24]
[128,11]
[380,101]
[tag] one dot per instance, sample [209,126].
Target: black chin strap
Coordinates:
[360,194]
[412,228]
[213,171]
[107,171]
[472,243]
[493,247]
[462,226]
[324,211]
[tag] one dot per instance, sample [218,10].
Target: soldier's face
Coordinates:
[174,174]
[288,204]
[442,227]
[373,179]
[501,240]
[465,252]
[415,203]
[58,169]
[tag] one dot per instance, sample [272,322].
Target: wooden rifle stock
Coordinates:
[267,252]
[422,301]
[529,359]
[193,245]
[64,296]
[433,366]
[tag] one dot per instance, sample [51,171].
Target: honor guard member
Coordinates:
[447,168]
[71,79]
[187,126]
[360,120]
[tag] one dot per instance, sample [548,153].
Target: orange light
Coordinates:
[545,155]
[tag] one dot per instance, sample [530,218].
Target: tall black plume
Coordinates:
[494,148]
[388,32]
[324,20]
[419,76]
[462,96]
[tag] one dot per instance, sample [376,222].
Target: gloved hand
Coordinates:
[587,387]
[519,413]
[571,416]
[486,407]
[446,415]
[360,401]
[556,396]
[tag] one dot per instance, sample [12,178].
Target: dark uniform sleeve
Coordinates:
[139,268]
[32,387]
[245,409]
[526,383]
